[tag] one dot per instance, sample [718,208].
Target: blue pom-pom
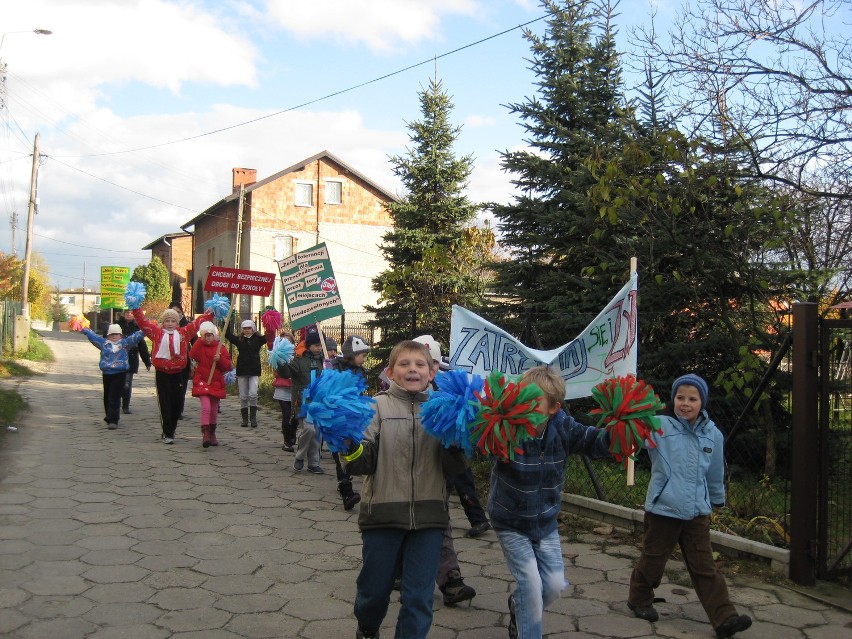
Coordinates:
[281,353]
[220,305]
[450,410]
[134,295]
[334,402]
[231,376]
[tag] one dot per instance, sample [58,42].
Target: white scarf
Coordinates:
[163,351]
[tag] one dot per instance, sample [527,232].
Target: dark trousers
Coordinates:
[181,399]
[418,552]
[125,392]
[693,535]
[113,385]
[170,393]
[466,488]
[286,414]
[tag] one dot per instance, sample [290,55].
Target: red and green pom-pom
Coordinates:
[271,320]
[628,408]
[507,416]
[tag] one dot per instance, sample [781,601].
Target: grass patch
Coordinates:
[37,351]
[10,405]
[8,368]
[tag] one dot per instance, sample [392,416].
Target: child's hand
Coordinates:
[216,356]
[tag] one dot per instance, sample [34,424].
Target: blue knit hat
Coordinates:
[692,380]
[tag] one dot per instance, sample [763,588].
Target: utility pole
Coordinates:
[25,285]
[14,221]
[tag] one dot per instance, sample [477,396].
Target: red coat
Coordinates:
[203,353]
[155,332]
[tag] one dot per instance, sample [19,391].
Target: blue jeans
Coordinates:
[417,552]
[539,570]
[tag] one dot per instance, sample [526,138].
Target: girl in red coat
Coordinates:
[211,356]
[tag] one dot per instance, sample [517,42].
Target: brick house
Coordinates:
[319,199]
[175,251]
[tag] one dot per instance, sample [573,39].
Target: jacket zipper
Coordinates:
[413,456]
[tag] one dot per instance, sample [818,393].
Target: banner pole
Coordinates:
[631,465]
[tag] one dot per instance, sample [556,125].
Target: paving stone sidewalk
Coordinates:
[108,534]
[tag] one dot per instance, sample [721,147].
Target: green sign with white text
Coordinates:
[310,287]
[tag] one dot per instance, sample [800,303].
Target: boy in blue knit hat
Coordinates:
[687,482]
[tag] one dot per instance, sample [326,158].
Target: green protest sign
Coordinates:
[310,287]
[114,280]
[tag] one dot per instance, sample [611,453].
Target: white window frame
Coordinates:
[298,188]
[339,184]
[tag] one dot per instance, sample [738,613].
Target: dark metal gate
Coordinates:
[834,514]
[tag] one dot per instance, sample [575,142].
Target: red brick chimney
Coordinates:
[243,176]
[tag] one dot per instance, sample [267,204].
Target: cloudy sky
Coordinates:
[144,106]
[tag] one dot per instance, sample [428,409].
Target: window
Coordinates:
[304,194]
[284,246]
[69,300]
[333,192]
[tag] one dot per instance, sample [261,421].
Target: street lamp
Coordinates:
[36,31]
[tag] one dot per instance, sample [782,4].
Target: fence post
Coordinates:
[805,442]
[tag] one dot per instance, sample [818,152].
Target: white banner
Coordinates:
[606,348]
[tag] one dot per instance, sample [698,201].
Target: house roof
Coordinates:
[163,238]
[290,169]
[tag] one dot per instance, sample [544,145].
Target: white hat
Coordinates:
[208,327]
[114,329]
[248,324]
[432,344]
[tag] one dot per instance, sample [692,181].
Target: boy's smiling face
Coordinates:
[412,371]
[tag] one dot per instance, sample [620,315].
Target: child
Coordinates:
[525,498]
[169,358]
[177,307]
[449,580]
[248,344]
[404,509]
[355,351]
[114,364]
[299,370]
[687,482]
[283,395]
[140,351]
[211,356]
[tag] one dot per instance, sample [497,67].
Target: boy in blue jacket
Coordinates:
[114,365]
[524,501]
[687,482]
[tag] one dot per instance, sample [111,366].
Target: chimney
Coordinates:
[243,176]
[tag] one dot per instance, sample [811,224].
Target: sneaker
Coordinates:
[478,529]
[288,448]
[456,590]
[361,634]
[316,470]
[298,464]
[648,613]
[733,625]
[168,440]
[513,623]
[126,411]
[112,426]
[350,501]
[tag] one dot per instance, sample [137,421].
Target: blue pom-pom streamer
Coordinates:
[335,404]
[281,353]
[134,295]
[231,376]
[220,305]
[449,412]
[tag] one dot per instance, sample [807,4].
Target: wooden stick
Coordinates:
[631,465]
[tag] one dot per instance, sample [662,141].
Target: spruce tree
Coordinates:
[577,115]
[434,253]
[155,277]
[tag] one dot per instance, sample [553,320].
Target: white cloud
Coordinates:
[383,25]
[478,121]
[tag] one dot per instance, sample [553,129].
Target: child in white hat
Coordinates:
[248,344]
[114,365]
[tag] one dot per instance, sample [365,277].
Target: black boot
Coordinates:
[350,497]
[244,414]
[456,590]
[253,416]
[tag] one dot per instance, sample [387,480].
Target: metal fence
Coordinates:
[8,311]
